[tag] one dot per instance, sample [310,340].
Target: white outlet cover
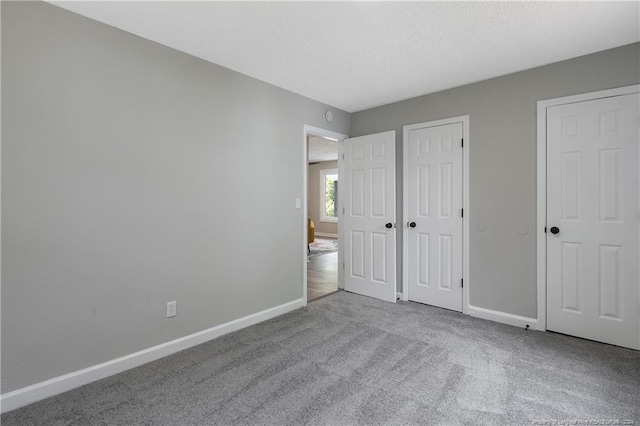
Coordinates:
[171,309]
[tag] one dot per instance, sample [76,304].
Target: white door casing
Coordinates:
[593,184]
[433,212]
[369,201]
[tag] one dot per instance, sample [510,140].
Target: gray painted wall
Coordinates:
[503,162]
[131,174]
[313,194]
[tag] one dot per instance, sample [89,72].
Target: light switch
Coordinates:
[298,203]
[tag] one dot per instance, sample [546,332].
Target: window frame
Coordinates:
[323,193]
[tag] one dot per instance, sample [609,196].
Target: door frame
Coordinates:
[306,131]
[541,241]
[464,120]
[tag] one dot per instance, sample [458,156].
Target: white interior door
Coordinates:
[433,162]
[369,202]
[592,220]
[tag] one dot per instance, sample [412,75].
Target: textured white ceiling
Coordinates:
[321,149]
[357,55]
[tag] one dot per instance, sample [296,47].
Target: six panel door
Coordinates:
[434,191]
[369,202]
[592,220]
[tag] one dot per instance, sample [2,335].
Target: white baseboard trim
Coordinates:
[326,234]
[30,394]
[399,295]
[503,317]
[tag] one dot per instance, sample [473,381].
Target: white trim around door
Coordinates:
[464,120]
[306,131]
[541,250]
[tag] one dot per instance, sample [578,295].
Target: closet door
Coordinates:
[434,196]
[593,251]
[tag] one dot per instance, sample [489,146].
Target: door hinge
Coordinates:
[545,229]
[462,142]
[462,282]
[343,156]
[461,212]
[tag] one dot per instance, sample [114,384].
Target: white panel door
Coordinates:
[592,220]
[369,201]
[434,191]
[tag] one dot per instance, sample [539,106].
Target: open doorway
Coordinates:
[322,211]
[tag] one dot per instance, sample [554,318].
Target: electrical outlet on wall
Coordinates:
[171,309]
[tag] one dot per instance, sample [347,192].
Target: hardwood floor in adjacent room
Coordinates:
[322,275]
